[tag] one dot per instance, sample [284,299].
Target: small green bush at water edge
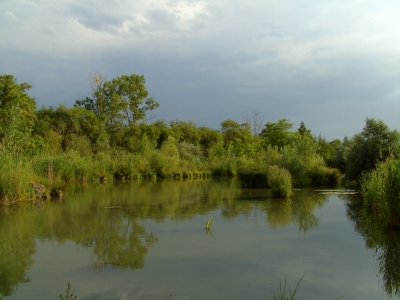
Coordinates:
[280,181]
[276,178]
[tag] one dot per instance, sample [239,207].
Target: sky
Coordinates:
[328,63]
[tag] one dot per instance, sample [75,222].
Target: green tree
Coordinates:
[209,138]
[374,144]
[17,114]
[231,130]
[238,138]
[186,132]
[122,99]
[302,130]
[328,150]
[77,126]
[278,134]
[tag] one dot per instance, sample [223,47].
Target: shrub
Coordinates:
[381,190]
[280,181]
[323,176]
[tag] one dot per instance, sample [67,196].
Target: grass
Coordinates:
[381,191]
[209,222]
[283,290]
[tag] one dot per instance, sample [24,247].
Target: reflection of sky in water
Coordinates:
[246,259]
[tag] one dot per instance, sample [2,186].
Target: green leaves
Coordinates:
[374,144]
[17,114]
[278,134]
[119,101]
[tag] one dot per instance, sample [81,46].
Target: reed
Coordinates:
[15,176]
[283,290]
[381,191]
[209,222]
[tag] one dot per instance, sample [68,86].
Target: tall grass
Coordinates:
[15,178]
[283,290]
[381,190]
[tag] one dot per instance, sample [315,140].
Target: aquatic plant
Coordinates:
[68,294]
[209,222]
[381,191]
[282,291]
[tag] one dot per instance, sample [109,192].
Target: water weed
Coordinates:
[209,222]
[68,294]
[381,191]
[283,290]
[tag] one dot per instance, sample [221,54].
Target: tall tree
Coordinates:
[122,99]
[17,113]
[375,143]
[278,134]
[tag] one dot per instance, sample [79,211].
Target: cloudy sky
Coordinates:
[329,63]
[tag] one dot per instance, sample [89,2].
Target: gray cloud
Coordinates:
[329,64]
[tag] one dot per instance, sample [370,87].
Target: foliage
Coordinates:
[105,136]
[121,99]
[78,128]
[280,181]
[374,144]
[231,131]
[17,115]
[328,150]
[277,133]
[381,190]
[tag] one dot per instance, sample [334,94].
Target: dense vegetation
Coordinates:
[108,135]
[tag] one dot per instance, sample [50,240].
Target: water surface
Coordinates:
[146,240]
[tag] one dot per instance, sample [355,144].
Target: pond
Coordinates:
[147,240]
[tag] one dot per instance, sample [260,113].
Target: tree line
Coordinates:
[108,135]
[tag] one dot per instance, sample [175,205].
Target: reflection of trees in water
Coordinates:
[386,244]
[120,241]
[113,233]
[298,210]
[17,247]
[109,219]
[279,212]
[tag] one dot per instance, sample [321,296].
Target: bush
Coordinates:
[280,181]
[381,191]
[325,177]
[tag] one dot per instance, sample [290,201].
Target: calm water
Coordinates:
[146,240]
